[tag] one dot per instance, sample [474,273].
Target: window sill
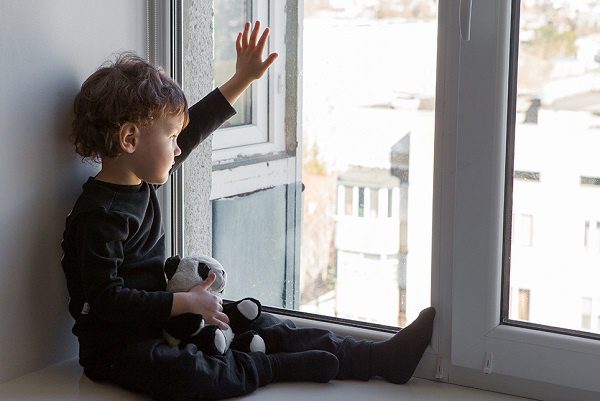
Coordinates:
[65,381]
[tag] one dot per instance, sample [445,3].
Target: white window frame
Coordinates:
[250,157]
[258,130]
[478,340]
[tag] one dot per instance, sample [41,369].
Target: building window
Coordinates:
[523,230]
[524,300]
[374,202]
[591,237]
[530,176]
[361,202]
[586,313]
[348,192]
[594,181]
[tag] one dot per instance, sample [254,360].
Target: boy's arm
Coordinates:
[205,117]
[101,236]
[99,254]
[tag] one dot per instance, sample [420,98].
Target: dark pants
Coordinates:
[169,373]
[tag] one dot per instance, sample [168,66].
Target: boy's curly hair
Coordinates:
[129,89]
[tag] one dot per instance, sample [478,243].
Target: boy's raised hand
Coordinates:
[250,49]
[250,65]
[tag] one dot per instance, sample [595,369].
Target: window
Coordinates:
[591,238]
[441,239]
[586,313]
[348,191]
[519,62]
[370,120]
[590,181]
[523,230]
[229,19]
[249,126]
[527,175]
[524,304]
[374,202]
[361,202]
[250,152]
[552,58]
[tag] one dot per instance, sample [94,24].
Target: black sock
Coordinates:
[397,358]
[309,366]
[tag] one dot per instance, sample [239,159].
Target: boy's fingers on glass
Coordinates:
[254,34]
[267,63]
[263,40]
[238,42]
[245,34]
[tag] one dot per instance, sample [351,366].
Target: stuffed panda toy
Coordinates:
[183,274]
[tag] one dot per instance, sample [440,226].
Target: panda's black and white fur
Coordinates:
[185,273]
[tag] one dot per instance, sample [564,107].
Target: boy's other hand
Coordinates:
[209,305]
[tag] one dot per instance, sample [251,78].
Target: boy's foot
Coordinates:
[397,358]
[307,366]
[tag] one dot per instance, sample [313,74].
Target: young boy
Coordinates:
[135,120]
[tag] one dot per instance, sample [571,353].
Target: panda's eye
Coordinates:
[203,270]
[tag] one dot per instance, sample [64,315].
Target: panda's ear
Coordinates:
[171,265]
[203,270]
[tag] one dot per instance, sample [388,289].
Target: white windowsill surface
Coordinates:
[65,382]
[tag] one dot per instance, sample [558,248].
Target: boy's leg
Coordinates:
[395,359]
[284,336]
[170,373]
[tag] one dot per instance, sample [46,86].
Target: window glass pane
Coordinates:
[368,111]
[361,202]
[229,19]
[556,191]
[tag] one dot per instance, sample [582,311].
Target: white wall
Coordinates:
[47,49]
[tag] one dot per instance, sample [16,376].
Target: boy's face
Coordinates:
[155,153]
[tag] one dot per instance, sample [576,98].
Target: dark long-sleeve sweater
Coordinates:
[114,250]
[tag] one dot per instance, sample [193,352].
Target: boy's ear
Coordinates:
[128,137]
